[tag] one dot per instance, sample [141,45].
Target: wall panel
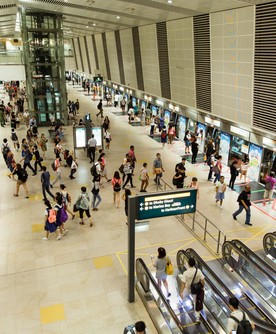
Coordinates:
[84,55]
[112,55]
[101,56]
[128,57]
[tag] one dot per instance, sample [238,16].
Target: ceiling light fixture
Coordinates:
[118,17]
[169,2]
[90,2]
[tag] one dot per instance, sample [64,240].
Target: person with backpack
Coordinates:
[83,205]
[269,187]
[234,172]
[128,171]
[14,139]
[239,321]
[50,221]
[22,177]
[96,192]
[74,167]
[5,148]
[180,169]
[66,200]
[61,213]
[116,183]
[138,328]
[244,203]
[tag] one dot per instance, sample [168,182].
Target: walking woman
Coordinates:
[128,170]
[49,227]
[244,167]
[96,192]
[217,169]
[83,204]
[66,200]
[234,173]
[43,145]
[187,141]
[160,264]
[125,198]
[116,183]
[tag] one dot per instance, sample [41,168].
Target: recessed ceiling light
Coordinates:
[94,24]
[169,1]
[86,26]
[118,17]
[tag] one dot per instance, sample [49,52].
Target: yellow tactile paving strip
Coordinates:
[52,313]
[103,261]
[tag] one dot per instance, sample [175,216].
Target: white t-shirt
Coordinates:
[232,324]
[221,186]
[188,276]
[143,174]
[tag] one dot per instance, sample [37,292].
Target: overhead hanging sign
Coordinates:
[169,204]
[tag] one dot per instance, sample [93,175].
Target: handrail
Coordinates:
[221,236]
[263,264]
[267,327]
[160,293]
[165,185]
[246,257]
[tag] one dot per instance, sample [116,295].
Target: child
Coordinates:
[194,184]
[220,190]
[49,227]
[125,198]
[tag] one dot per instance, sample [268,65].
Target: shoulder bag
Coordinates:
[169,267]
[195,287]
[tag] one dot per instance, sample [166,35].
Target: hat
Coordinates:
[62,186]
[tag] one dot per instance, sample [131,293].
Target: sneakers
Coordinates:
[44,238]
[234,217]
[169,294]
[59,237]
[91,224]
[221,208]
[248,224]
[65,232]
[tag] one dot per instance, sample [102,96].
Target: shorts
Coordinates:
[268,193]
[107,140]
[81,211]
[219,196]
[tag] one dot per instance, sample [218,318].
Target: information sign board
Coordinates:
[169,204]
[97,132]
[80,137]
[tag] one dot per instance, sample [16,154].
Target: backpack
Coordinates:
[93,170]
[99,106]
[52,215]
[23,175]
[163,134]
[268,186]
[244,326]
[63,216]
[14,136]
[6,150]
[117,186]
[53,165]
[130,329]
[175,181]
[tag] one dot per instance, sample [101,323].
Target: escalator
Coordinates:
[255,272]
[222,292]
[269,243]
[171,315]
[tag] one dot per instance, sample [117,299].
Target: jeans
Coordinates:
[248,213]
[37,162]
[129,178]
[91,151]
[96,197]
[46,189]
[217,177]
[232,181]
[58,177]
[210,173]
[28,164]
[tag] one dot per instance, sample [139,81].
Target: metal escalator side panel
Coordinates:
[262,326]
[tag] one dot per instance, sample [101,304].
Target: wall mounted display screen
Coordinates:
[134,101]
[106,89]
[239,146]
[80,137]
[143,104]
[191,125]
[225,139]
[182,127]
[167,117]
[154,110]
[126,97]
[97,131]
[255,156]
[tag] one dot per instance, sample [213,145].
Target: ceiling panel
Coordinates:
[110,15]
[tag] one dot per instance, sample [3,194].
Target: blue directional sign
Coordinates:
[170,203]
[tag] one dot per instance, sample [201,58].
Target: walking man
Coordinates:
[45,182]
[100,108]
[92,144]
[158,168]
[244,203]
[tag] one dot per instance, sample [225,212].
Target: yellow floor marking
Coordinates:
[182,247]
[245,228]
[103,261]
[251,308]
[261,231]
[37,228]
[52,313]
[124,268]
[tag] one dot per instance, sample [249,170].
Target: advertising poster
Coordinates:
[191,125]
[154,110]
[97,131]
[143,104]
[201,136]
[80,135]
[239,146]
[167,117]
[255,156]
[182,127]
[224,147]
[134,101]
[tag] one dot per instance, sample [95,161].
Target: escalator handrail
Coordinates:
[263,263]
[160,293]
[234,243]
[268,328]
[272,234]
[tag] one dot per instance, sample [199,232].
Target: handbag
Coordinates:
[169,268]
[40,159]
[195,287]
[158,170]
[121,169]
[76,207]
[216,169]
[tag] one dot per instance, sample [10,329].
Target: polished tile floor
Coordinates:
[79,284]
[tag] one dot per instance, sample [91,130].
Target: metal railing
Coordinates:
[162,185]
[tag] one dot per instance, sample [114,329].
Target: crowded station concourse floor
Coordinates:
[79,284]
